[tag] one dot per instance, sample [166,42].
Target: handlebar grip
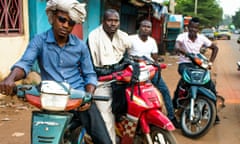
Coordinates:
[104,78]
[101,98]
[20,90]
[163,66]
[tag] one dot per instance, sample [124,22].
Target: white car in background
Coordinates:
[237,31]
[223,34]
[208,32]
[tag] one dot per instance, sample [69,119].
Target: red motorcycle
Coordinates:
[144,122]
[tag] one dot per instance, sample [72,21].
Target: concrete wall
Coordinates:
[93,18]
[12,47]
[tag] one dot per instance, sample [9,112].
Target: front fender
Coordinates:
[207,92]
[157,118]
[48,127]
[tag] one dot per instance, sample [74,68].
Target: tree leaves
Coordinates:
[208,11]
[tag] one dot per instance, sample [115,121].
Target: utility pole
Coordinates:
[172,6]
[195,8]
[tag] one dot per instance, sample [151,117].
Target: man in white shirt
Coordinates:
[192,42]
[107,45]
[144,45]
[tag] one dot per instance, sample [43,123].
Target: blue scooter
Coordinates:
[53,123]
[196,104]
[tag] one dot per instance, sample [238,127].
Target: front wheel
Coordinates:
[77,136]
[158,136]
[203,120]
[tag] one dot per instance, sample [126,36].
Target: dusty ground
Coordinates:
[15,115]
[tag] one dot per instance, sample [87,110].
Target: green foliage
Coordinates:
[209,11]
[236,19]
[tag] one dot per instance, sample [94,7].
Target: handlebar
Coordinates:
[55,96]
[126,74]
[100,98]
[21,90]
[199,60]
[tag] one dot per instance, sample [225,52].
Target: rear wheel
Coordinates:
[158,136]
[205,114]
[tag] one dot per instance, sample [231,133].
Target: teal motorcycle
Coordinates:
[196,107]
[53,123]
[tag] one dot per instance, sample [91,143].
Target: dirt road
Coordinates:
[15,115]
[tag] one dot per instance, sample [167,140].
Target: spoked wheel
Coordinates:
[158,136]
[204,118]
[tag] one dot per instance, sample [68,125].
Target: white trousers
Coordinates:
[106,110]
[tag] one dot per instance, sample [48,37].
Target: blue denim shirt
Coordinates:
[71,63]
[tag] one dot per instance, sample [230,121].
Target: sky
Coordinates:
[230,6]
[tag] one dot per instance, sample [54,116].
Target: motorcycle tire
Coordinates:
[78,136]
[158,136]
[205,115]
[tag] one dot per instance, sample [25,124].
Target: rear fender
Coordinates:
[157,118]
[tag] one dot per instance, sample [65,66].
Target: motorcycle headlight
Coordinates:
[144,75]
[54,102]
[54,95]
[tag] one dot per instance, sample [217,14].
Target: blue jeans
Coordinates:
[162,87]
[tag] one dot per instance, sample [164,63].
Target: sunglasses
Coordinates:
[64,20]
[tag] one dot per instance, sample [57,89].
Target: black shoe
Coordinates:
[175,123]
[174,102]
[217,120]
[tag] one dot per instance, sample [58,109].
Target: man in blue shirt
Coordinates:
[62,57]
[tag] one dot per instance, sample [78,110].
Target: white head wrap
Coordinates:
[75,9]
